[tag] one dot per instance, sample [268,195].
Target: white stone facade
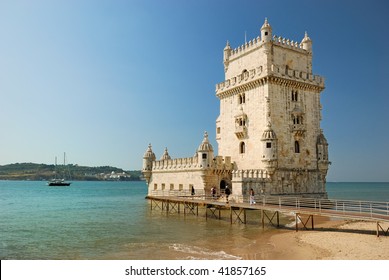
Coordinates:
[268,131]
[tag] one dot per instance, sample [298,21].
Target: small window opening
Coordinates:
[204,156]
[297,147]
[268,145]
[241,98]
[242,147]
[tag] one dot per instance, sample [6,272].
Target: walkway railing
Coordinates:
[372,210]
[332,207]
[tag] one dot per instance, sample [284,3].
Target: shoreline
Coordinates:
[331,240]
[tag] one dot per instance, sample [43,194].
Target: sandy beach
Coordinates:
[332,240]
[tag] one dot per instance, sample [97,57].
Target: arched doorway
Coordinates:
[223,185]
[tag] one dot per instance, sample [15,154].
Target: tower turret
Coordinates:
[269,148]
[226,56]
[322,154]
[148,159]
[266,32]
[205,152]
[307,43]
[165,155]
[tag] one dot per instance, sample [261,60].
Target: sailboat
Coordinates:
[55,182]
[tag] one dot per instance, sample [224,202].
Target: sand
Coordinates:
[332,240]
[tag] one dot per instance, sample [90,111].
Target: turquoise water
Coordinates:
[112,220]
[358,191]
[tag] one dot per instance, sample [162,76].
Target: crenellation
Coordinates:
[278,40]
[176,163]
[248,46]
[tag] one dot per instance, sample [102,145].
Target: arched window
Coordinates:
[242,147]
[296,147]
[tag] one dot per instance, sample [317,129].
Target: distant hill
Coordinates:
[38,172]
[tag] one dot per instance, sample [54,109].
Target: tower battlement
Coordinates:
[247,47]
[257,43]
[278,40]
[257,73]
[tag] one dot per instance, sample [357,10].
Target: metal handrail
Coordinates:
[335,207]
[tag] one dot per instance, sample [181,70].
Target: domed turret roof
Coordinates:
[227,46]
[306,38]
[165,155]
[266,25]
[269,134]
[149,153]
[205,146]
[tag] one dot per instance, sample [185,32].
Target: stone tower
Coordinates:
[268,131]
[270,112]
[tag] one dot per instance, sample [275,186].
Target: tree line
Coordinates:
[38,172]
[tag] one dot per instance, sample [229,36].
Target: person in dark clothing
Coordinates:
[193,191]
[227,192]
[213,192]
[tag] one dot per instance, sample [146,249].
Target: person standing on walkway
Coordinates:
[213,192]
[227,191]
[252,200]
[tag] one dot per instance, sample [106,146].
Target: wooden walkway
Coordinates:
[304,209]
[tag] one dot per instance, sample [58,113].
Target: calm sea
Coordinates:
[112,220]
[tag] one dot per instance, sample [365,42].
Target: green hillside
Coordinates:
[35,171]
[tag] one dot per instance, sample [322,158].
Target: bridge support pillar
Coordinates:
[304,223]
[380,228]
[276,215]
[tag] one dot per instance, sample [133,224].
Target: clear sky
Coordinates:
[100,80]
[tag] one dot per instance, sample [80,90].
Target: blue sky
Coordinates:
[100,80]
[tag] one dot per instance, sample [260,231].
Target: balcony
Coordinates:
[241,132]
[298,129]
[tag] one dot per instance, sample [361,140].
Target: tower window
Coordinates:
[204,156]
[297,120]
[296,147]
[242,147]
[268,145]
[241,98]
[240,121]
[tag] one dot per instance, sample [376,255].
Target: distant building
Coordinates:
[268,131]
